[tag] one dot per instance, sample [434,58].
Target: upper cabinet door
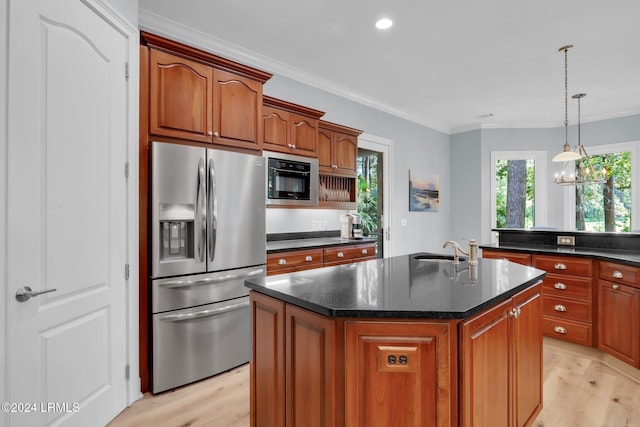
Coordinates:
[237,111]
[304,135]
[180,97]
[276,129]
[345,152]
[325,140]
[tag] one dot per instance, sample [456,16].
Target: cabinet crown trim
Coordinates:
[188,52]
[269,101]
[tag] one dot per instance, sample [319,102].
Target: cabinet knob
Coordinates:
[560,330]
[560,286]
[282,261]
[216,134]
[340,255]
[334,166]
[560,266]
[514,313]
[617,274]
[364,252]
[308,258]
[294,146]
[615,287]
[210,133]
[560,307]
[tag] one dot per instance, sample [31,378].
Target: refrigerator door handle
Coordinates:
[201,210]
[203,313]
[185,284]
[212,213]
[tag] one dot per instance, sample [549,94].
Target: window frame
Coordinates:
[570,193]
[541,185]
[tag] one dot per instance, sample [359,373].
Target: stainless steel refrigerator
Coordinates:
[208,235]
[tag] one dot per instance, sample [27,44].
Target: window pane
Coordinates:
[606,207]
[515,193]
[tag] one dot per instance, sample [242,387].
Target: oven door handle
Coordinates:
[227,277]
[204,313]
[290,171]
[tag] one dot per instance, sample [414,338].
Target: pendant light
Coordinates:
[567,154]
[585,173]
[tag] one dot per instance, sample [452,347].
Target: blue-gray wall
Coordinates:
[471,167]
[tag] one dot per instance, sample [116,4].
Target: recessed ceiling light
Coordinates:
[384,23]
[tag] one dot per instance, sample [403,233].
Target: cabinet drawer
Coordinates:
[517,257]
[346,253]
[567,286]
[298,260]
[564,265]
[567,330]
[567,308]
[620,273]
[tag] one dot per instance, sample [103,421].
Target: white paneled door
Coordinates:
[67,214]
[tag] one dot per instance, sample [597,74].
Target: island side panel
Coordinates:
[400,373]
[268,362]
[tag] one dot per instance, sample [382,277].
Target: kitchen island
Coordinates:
[399,341]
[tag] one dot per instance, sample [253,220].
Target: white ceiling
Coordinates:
[444,63]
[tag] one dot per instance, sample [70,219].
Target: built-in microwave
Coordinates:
[291,180]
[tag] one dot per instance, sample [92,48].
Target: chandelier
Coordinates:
[585,172]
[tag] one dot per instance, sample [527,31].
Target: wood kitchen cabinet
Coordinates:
[181,97]
[501,363]
[348,254]
[293,372]
[337,149]
[290,128]
[517,257]
[298,260]
[290,261]
[567,297]
[197,96]
[399,373]
[619,312]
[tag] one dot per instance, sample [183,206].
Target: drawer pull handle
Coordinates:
[560,266]
[560,330]
[308,258]
[560,286]
[364,252]
[560,307]
[282,261]
[617,274]
[615,287]
[340,255]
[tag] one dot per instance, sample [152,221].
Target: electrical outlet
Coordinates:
[403,222]
[566,240]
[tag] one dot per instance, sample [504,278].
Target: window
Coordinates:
[612,206]
[518,189]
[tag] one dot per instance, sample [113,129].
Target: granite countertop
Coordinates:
[310,243]
[400,287]
[625,257]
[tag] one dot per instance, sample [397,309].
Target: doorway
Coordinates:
[373,165]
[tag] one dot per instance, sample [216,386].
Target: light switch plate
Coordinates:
[566,240]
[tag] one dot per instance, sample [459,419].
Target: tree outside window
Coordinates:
[606,207]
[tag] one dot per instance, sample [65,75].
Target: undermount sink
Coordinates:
[436,258]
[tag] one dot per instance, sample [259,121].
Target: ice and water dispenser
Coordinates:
[176,231]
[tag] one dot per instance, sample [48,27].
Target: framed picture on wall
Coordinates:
[424,192]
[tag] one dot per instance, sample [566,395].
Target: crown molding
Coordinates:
[165,27]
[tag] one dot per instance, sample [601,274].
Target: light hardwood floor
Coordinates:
[579,391]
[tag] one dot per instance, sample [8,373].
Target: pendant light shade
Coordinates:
[566,155]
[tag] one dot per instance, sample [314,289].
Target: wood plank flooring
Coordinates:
[579,391]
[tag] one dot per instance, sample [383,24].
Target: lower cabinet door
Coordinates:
[398,374]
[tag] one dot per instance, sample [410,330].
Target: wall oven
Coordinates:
[291,180]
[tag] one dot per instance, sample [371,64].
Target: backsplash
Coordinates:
[583,239]
[282,220]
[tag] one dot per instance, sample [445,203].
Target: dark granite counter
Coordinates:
[624,257]
[400,287]
[614,247]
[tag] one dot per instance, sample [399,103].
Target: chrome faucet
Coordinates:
[472,253]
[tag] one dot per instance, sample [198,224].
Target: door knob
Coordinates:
[23,294]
